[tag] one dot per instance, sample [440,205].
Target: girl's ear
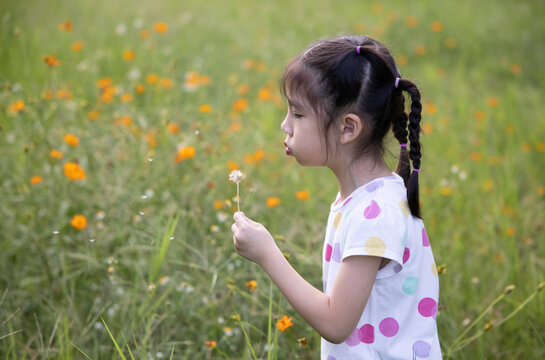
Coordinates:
[351,127]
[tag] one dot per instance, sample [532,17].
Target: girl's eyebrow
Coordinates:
[295,104]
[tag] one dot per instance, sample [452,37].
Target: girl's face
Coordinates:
[305,140]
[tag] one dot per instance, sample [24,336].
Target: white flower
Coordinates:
[236,176]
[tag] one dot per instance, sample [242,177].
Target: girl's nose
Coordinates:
[285,126]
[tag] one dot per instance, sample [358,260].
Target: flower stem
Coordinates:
[238,198]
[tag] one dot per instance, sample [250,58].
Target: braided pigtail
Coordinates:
[415,148]
[399,128]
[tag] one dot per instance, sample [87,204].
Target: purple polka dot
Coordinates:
[353,339]
[374,186]
[425,240]
[398,268]
[329,357]
[406,255]
[421,349]
[372,211]
[337,252]
[388,327]
[366,334]
[427,307]
[328,251]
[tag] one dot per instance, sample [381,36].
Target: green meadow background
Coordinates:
[153,273]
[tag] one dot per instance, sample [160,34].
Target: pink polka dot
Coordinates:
[425,240]
[427,307]
[328,252]
[406,255]
[372,211]
[347,201]
[366,334]
[388,327]
[353,339]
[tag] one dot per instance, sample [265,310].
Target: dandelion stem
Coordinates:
[238,198]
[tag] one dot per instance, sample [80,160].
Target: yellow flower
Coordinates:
[252,284]
[205,108]
[160,27]
[272,202]
[73,171]
[302,195]
[446,190]
[284,323]
[55,154]
[71,139]
[36,179]
[488,185]
[17,106]
[79,222]
[185,152]
[77,46]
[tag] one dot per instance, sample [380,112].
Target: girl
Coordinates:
[380,285]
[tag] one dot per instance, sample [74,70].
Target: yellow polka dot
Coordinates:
[404,207]
[375,246]
[434,269]
[337,220]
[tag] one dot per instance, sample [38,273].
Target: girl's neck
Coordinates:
[351,176]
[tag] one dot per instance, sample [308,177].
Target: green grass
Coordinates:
[482,180]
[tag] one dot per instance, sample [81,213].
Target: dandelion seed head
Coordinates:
[171,238]
[236,176]
[91,240]
[55,232]
[121,29]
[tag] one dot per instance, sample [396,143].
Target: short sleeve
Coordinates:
[376,229]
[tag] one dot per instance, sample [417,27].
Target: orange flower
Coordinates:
[129,55]
[240,105]
[436,26]
[488,185]
[126,98]
[152,78]
[302,195]
[185,152]
[150,138]
[476,156]
[36,179]
[204,80]
[48,94]
[243,89]
[77,46]
[104,83]
[211,344]
[427,128]
[420,50]
[493,101]
[160,27]
[431,109]
[79,222]
[166,82]
[107,94]
[66,26]
[232,165]
[401,60]
[64,94]
[510,231]
[479,115]
[255,157]
[17,106]
[446,190]
[526,147]
[540,146]
[73,171]
[140,89]
[144,34]
[272,202]
[411,21]
[93,114]
[71,139]
[173,128]
[541,190]
[218,204]
[515,69]
[55,154]
[284,323]
[248,64]
[252,284]
[51,60]
[264,94]
[205,108]
[450,42]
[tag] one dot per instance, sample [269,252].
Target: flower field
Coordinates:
[120,123]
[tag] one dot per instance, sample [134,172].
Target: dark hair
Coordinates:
[334,79]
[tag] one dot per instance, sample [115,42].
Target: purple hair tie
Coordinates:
[397,80]
[358,49]
[403,145]
[416,170]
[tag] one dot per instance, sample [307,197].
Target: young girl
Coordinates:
[379,276]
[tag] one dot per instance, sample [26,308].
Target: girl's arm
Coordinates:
[335,316]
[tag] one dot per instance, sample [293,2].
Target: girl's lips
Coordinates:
[288,150]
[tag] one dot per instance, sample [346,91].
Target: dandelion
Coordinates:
[164,280]
[151,286]
[284,323]
[79,222]
[541,190]
[35,180]
[272,202]
[218,205]
[252,284]
[228,331]
[236,176]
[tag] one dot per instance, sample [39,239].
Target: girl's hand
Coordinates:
[252,240]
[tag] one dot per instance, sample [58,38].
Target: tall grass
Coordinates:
[153,274]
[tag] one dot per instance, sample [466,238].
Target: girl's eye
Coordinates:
[297,116]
